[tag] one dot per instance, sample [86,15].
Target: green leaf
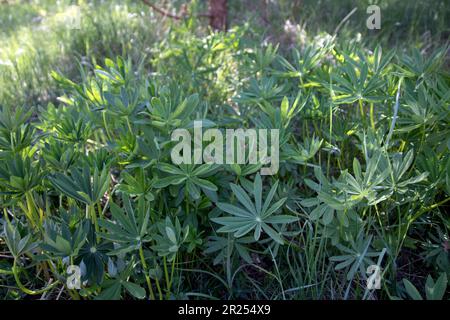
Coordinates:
[134,289]
[204,183]
[111,293]
[231,209]
[170,169]
[172,180]
[272,233]
[281,219]
[436,290]
[411,290]
[257,191]
[171,235]
[243,198]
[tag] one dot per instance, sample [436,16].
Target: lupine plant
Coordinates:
[364,177]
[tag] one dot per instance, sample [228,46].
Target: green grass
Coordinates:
[35,40]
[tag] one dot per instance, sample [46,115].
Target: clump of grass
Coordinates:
[37,39]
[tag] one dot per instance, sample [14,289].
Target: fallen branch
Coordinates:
[163,12]
[171,15]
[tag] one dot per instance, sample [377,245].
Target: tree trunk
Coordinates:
[218,14]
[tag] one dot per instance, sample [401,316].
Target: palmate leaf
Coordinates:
[263,90]
[305,61]
[113,287]
[352,87]
[81,185]
[220,246]
[433,290]
[59,156]
[128,227]
[366,185]
[398,181]
[138,185]
[253,216]
[17,244]
[62,241]
[190,175]
[19,175]
[169,238]
[168,110]
[356,257]
[93,257]
[327,203]
[167,181]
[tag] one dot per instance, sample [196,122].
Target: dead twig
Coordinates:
[165,13]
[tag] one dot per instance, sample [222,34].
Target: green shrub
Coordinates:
[87,179]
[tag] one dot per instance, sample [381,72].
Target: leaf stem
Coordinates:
[372,117]
[16,270]
[147,277]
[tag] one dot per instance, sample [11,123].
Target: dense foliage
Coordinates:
[364,175]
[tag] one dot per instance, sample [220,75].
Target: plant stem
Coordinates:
[3,271]
[147,277]
[434,206]
[129,125]
[158,286]
[361,110]
[5,212]
[106,125]
[15,271]
[166,274]
[172,270]
[372,117]
[93,215]
[31,209]
[229,277]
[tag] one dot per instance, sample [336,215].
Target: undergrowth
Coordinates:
[364,177]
